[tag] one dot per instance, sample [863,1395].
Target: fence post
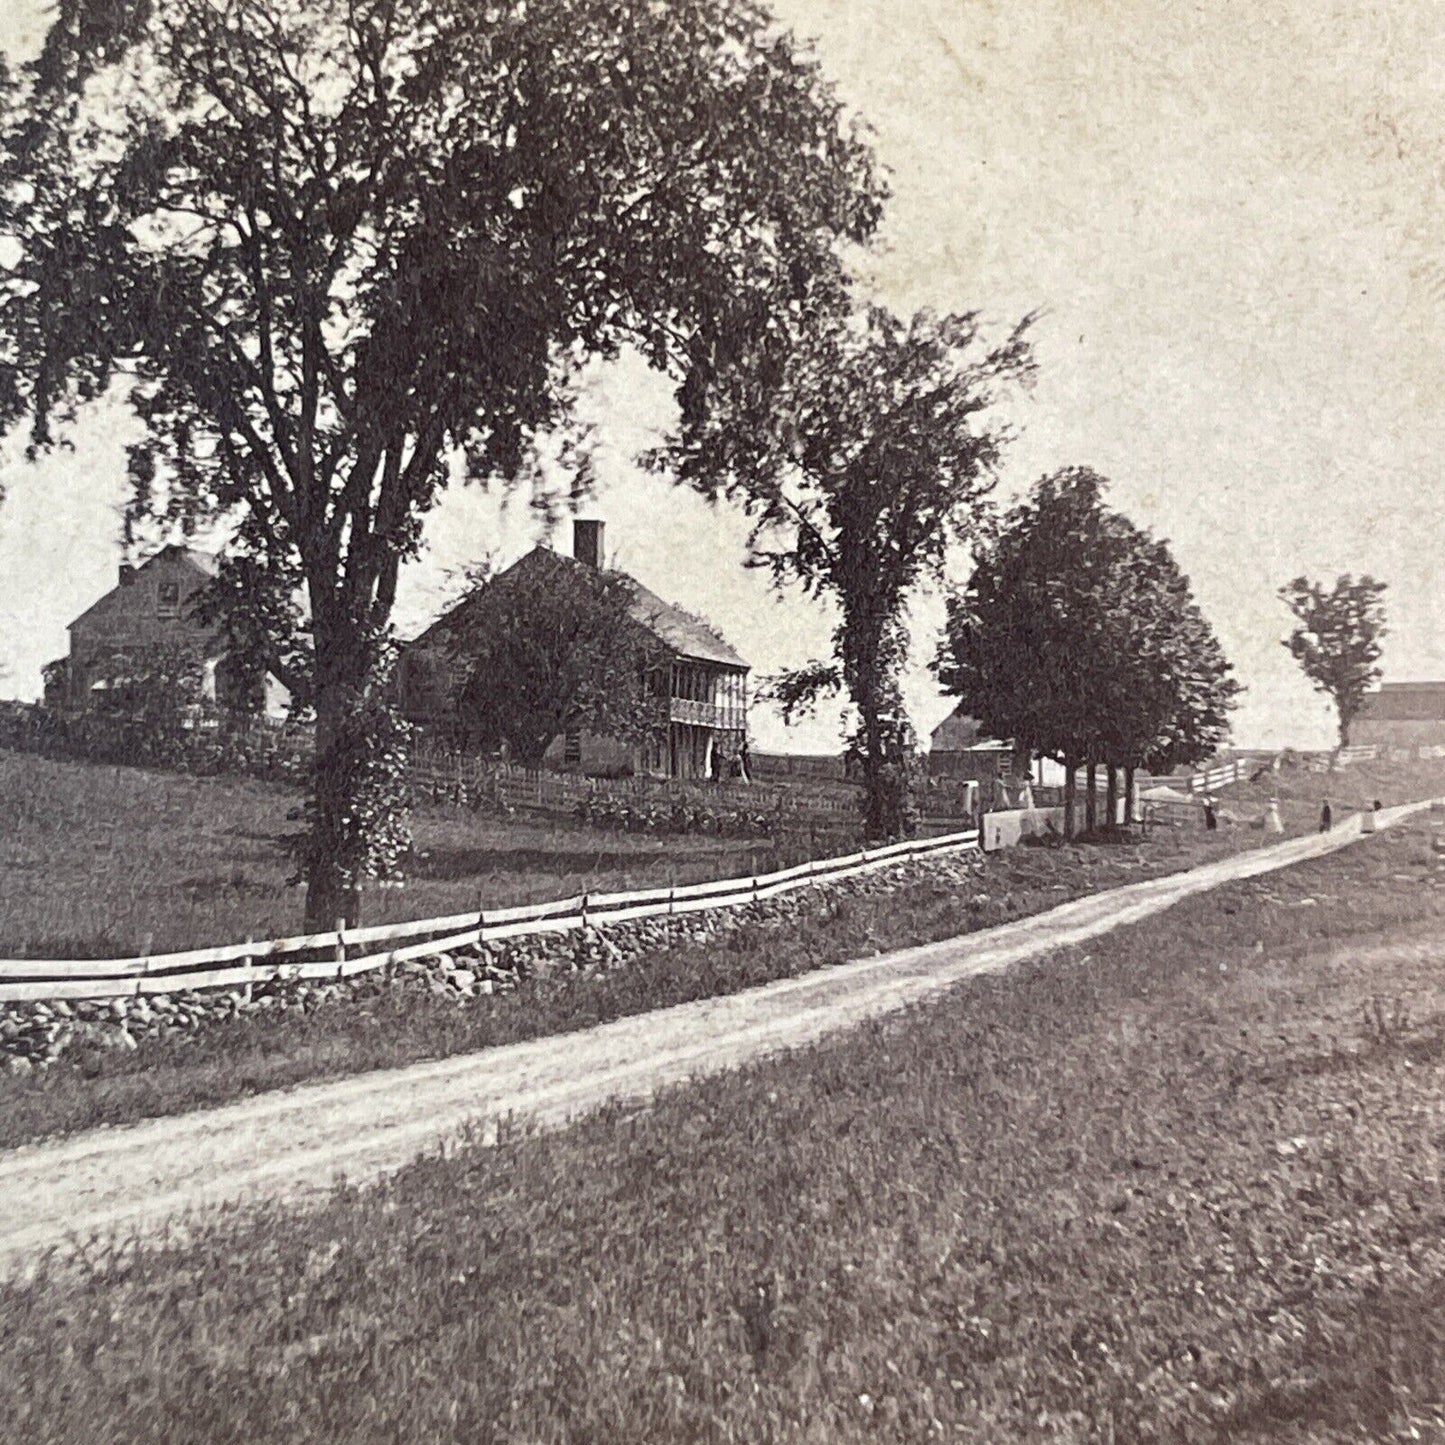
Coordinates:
[145,955]
[248,963]
[340,946]
[584,912]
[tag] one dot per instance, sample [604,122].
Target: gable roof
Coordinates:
[960,733]
[1405,702]
[206,566]
[679,631]
[686,635]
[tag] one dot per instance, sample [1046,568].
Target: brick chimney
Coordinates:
[587,542]
[126,573]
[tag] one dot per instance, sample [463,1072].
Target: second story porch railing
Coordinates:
[707,714]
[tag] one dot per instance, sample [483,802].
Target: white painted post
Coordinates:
[146,940]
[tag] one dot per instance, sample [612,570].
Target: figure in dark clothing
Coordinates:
[1327,818]
[1211,820]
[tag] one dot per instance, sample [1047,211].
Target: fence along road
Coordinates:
[294,1144]
[345,953]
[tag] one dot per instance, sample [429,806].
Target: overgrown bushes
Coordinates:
[204,746]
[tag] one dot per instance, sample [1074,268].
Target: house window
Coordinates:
[572,747]
[169,603]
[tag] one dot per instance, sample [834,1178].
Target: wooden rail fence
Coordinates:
[343,953]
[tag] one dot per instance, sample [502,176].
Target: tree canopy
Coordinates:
[1077,637]
[548,647]
[869,458]
[342,250]
[1337,637]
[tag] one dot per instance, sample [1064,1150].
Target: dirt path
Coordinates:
[297,1143]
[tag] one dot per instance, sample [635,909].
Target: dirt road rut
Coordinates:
[297,1143]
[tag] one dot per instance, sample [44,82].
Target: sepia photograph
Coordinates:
[722,721]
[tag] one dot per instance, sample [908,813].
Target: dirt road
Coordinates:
[299,1142]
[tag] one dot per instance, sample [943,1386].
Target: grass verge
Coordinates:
[1185,1186]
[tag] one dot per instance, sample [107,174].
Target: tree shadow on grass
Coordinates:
[451,865]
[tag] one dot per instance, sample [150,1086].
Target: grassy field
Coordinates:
[94,858]
[1185,1186]
[1348,789]
[390,1025]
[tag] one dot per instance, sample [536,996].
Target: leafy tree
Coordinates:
[56,679]
[1337,639]
[868,458]
[550,646]
[340,246]
[1172,687]
[1077,636]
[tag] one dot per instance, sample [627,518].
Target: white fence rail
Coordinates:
[347,952]
[1363,753]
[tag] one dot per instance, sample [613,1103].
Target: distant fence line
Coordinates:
[343,953]
[815,793]
[443,776]
[282,753]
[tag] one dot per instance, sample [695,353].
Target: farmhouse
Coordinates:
[704,678]
[150,614]
[1402,715]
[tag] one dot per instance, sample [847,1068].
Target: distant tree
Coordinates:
[339,245]
[1078,638]
[549,647]
[55,677]
[867,459]
[1174,688]
[1337,639]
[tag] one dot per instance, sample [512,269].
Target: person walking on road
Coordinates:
[1326,817]
[1211,820]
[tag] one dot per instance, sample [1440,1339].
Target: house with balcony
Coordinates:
[704,681]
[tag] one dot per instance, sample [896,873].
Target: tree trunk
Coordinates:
[332,893]
[1131,797]
[532,750]
[884,787]
[885,781]
[1111,802]
[357,809]
[1091,806]
[1070,796]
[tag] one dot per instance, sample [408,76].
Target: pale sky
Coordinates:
[1227,213]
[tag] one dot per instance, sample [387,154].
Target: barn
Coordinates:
[1402,715]
[957,748]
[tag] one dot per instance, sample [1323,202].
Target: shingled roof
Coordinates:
[679,631]
[205,564]
[959,733]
